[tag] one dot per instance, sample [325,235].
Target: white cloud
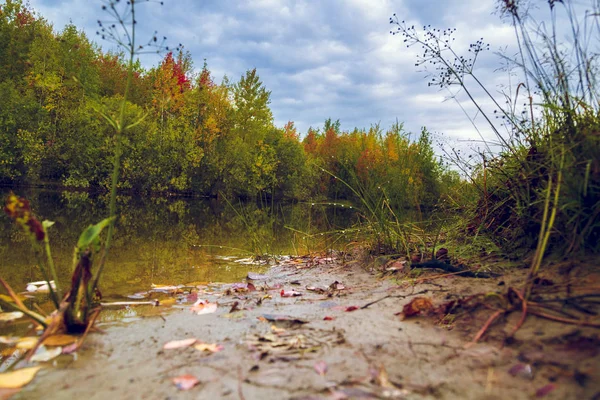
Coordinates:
[331,58]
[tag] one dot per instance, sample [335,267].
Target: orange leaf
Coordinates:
[212,348]
[416,306]
[59,340]
[185,382]
[204,307]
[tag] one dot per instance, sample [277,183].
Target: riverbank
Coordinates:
[327,328]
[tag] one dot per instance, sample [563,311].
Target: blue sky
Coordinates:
[323,58]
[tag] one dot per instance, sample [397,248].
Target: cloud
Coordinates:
[326,59]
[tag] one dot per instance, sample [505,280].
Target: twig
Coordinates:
[401,296]
[485,327]
[130,303]
[565,320]
[240,393]
[88,328]
[523,313]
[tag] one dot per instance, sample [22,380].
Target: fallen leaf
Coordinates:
[27,343]
[177,344]
[185,382]
[19,378]
[239,287]
[328,318]
[541,392]
[70,348]
[290,293]
[351,308]
[204,307]
[395,265]
[235,307]
[521,370]
[10,316]
[235,315]
[281,318]
[138,296]
[416,306]
[257,277]
[316,289]
[164,288]
[168,302]
[40,286]
[212,348]
[59,340]
[441,254]
[382,379]
[337,286]
[276,329]
[321,367]
[10,340]
[251,287]
[191,297]
[43,354]
[6,394]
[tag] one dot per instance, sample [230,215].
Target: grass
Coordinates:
[541,192]
[77,307]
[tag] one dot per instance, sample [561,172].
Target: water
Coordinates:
[168,241]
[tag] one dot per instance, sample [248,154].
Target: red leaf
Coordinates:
[351,308]
[321,367]
[416,306]
[185,382]
[328,318]
[290,293]
[541,392]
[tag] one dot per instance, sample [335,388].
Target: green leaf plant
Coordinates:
[77,307]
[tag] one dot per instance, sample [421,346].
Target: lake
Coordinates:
[168,240]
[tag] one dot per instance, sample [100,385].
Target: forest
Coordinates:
[288,246]
[196,136]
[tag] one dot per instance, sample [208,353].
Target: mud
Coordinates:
[366,353]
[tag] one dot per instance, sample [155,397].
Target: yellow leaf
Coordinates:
[168,302]
[27,343]
[19,378]
[213,348]
[10,340]
[60,340]
[6,298]
[10,316]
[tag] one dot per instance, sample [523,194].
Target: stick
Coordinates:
[401,296]
[485,327]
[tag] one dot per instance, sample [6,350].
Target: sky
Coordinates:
[326,58]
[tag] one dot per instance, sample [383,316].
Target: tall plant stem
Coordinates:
[50,262]
[120,129]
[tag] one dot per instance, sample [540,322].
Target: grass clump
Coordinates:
[541,190]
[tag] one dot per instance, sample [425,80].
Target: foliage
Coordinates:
[75,311]
[196,136]
[542,190]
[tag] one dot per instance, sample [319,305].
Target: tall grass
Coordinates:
[541,191]
[77,309]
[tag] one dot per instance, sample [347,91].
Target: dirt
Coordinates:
[369,352]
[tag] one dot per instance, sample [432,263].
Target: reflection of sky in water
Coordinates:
[164,242]
[168,241]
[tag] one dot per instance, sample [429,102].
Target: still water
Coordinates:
[169,241]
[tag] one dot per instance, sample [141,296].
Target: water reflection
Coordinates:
[168,241]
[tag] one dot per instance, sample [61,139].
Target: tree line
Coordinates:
[197,136]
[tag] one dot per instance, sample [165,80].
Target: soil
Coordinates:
[369,352]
